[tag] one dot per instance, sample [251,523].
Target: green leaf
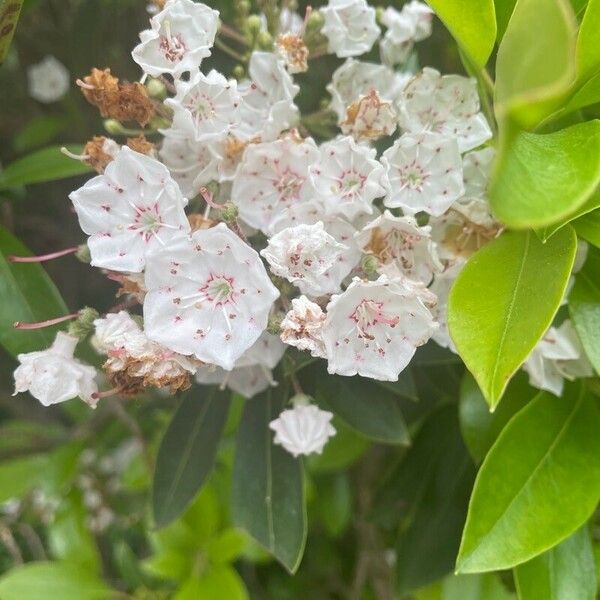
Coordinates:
[9,17]
[532,77]
[504,10]
[537,485]
[268,498]
[565,572]
[590,205]
[478,425]
[44,165]
[20,475]
[334,502]
[27,294]
[227,546]
[584,306]
[472,23]
[588,227]
[428,493]
[525,192]
[586,95]
[37,580]
[39,131]
[485,586]
[187,451]
[217,582]
[367,407]
[503,302]
[588,48]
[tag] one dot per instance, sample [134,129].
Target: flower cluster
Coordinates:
[241,235]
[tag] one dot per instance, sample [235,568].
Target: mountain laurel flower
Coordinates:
[447,104]
[181,35]
[347,177]
[252,371]
[305,255]
[477,168]
[401,246]
[133,207]
[271,177]
[373,328]
[369,118]
[55,375]
[205,107]
[293,51]
[441,286]
[424,173]
[558,356]
[303,430]
[48,80]
[301,327]
[350,27]
[208,295]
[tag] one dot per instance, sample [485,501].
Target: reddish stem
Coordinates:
[43,257]
[42,324]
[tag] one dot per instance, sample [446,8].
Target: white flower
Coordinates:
[181,35]
[398,41]
[271,177]
[115,331]
[441,286]
[347,177]
[304,255]
[369,118]
[401,246]
[252,372]
[132,208]
[267,106]
[301,327]
[48,80]
[446,104]
[477,167]
[558,356]
[205,107]
[355,79]
[54,375]
[290,22]
[303,429]
[208,295]
[424,173]
[192,164]
[421,16]
[374,327]
[350,27]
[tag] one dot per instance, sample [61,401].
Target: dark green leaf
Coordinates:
[503,302]
[187,451]
[39,131]
[537,485]
[20,475]
[9,17]
[268,488]
[565,572]
[48,164]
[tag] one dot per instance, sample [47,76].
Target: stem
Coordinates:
[229,50]
[231,33]
[48,323]
[43,257]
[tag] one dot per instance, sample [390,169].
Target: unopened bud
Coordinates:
[274,324]
[113,127]
[84,324]
[243,7]
[160,123]
[379,12]
[156,89]
[229,212]
[264,40]
[239,72]
[83,254]
[369,264]
[301,400]
[253,25]
[314,22]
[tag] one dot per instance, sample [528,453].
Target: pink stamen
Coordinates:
[84,85]
[43,257]
[208,198]
[107,393]
[42,324]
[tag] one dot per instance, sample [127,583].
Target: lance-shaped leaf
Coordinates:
[9,17]
[503,302]
[588,227]
[187,451]
[537,485]
[268,498]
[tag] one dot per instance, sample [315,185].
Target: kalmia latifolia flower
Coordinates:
[369,118]
[350,27]
[477,166]
[305,255]
[209,296]
[303,430]
[48,80]
[347,178]
[374,327]
[133,207]
[54,375]
[293,51]
[301,327]
[424,173]
[181,35]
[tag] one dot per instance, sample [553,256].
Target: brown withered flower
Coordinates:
[198,221]
[99,151]
[293,51]
[142,145]
[369,118]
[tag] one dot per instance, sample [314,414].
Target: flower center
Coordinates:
[289,185]
[147,221]
[370,313]
[219,289]
[172,47]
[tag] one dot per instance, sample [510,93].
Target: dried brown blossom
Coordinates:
[142,145]
[369,118]
[293,51]
[99,151]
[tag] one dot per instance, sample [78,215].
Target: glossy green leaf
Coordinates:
[227,546]
[20,475]
[588,227]
[426,497]
[565,572]
[484,586]
[365,406]
[586,95]
[504,10]
[590,205]
[10,11]
[531,78]
[334,503]
[588,48]
[525,192]
[36,580]
[472,23]
[187,451]
[44,165]
[584,306]
[503,302]
[39,131]
[27,294]
[478,425]
[218,582]
[268,497]
[537,485]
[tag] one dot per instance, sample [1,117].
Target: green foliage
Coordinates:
[542,464]
[504,301]
[9,17]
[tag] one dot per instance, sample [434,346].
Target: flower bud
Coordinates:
[253,25]
[274,324]
[113,127]
[156,89]
[315,22]
[83,254]
[369,264]
[264,40]
[301,400]
[229,212]
[243,7]
[239,72]
[84,324]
